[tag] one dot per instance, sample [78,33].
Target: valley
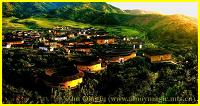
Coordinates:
[95,50]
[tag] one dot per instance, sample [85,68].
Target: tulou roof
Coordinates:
[119,52]
[12,40]
[62,74]
[82,46]
[87,60]
[156,51]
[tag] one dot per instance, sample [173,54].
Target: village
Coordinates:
[91,50]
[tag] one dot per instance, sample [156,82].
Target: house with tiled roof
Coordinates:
[102,40]
[157,55]
[89,64]
[119,55]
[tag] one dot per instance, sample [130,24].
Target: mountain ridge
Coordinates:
[28,9]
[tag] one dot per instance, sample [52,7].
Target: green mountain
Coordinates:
[96,6]
[86,15]
[175,32]
[140,12]
[28,9]
[178,26]
[25,9]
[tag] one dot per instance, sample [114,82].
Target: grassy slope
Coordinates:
[125,31]
[8,25]
[146,20]
[177,33]
[175,26]
[50,23]
[12,23]
[174,32]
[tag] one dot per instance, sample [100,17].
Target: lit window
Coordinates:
[121,60]
[106,41]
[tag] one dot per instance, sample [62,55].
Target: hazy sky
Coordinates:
[186,8]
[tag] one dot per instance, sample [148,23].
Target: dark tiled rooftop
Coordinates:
[87,60]
[119,52]
[152,52]
[64,74]
[12,40]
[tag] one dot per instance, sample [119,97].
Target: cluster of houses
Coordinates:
[80,41]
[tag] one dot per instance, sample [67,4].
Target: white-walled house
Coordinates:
[60,38]
[46,48]
[6,46]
